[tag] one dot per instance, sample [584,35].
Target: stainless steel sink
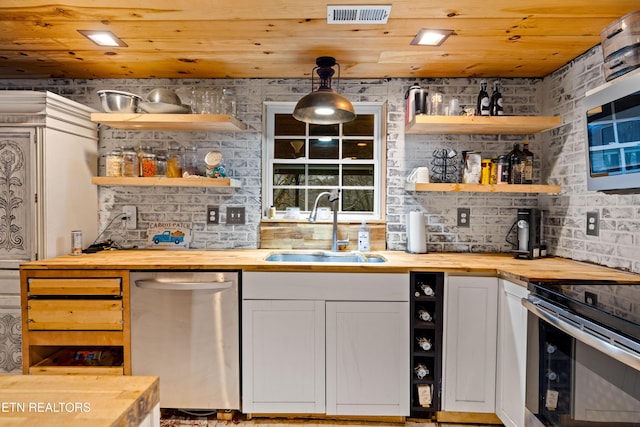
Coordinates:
[324,256]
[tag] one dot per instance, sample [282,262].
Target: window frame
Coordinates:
[376,109]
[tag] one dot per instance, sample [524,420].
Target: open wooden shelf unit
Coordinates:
[481,125]
[484,188]
[142,121]
[160,181]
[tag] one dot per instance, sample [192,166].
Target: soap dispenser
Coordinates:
[363,237]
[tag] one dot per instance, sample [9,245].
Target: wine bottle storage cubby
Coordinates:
[426,343]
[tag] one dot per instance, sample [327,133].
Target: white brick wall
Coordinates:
[559,159]
[565,162]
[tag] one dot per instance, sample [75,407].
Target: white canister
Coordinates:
[419,174]
[416,234]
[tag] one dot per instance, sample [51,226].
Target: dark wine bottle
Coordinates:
[482,107]
[515,161]
[495,104]
[527,164]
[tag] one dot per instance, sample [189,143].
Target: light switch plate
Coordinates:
[593,224]
[235,216]
[464,216]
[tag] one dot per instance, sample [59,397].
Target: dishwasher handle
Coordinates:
[167,285]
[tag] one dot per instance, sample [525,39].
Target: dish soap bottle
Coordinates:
[363,237]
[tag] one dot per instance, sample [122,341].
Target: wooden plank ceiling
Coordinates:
[282,38]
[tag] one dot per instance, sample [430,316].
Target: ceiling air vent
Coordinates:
[358,14]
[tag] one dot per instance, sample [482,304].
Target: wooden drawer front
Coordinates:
[97,286]
[75,314]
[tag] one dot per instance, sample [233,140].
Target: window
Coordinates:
[303,160]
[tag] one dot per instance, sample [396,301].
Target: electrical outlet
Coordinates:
[130,222]
[464,216]
[593,224]
[213,215]
[591,298]
[235,216]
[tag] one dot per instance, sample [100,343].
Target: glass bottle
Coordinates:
[515,165]
[174,164]
[482,107]
[495,104]
[527,160]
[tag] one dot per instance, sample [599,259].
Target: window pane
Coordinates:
[357,149]
[284,198]
[284,174]
[323,174]
[324,130]
[357,200]
[285,124]
[361,126]
[357,175]
[288,148]
[320,149]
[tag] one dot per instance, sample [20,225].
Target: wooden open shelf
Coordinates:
[165,182]
[484,188]
[482,125]
[140,121]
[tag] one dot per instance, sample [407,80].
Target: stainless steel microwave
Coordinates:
[613,135]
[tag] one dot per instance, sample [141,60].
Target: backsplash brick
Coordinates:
[565,163]
[560,159]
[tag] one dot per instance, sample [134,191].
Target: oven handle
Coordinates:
[624,354]
[183,286]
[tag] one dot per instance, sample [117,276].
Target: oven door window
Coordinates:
[571,384]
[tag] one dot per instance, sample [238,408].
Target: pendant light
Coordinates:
[324,106]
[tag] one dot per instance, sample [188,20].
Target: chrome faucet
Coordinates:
[333,198]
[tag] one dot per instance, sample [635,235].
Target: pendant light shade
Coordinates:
[324,106]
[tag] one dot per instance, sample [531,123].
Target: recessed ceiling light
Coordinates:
[103,38]
[427,37]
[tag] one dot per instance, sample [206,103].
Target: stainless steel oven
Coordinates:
[583,355]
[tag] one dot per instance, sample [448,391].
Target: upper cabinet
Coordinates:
[481,125]
[201,122]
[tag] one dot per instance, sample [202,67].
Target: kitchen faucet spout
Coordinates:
[333,198]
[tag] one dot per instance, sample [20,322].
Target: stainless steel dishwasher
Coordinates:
[185,329]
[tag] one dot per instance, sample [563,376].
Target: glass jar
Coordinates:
[228,102]
[174,164]
[114,163]
[161,164]
[130,163]
[149,165]
[190,161]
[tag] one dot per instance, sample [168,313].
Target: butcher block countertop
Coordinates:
[76,400]
[503,265]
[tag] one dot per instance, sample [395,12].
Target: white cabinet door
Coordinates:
[283,365]
[469,357]
[512,347]
[368,358]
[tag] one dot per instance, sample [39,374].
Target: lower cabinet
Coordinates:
[469,354]
[325,343]
[367,358]
[283,353]
[75,322]
[511,357]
